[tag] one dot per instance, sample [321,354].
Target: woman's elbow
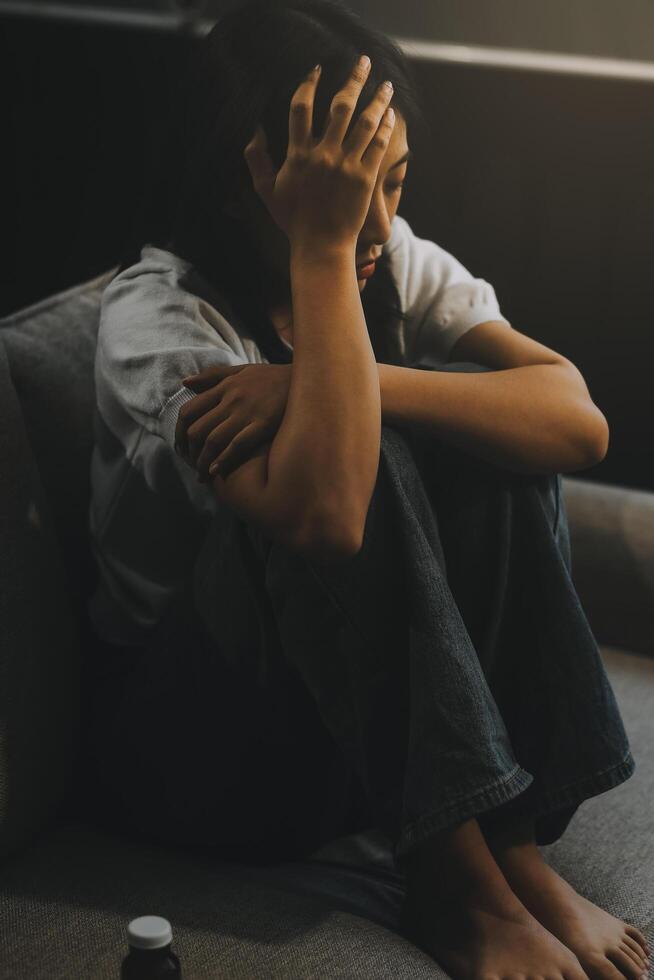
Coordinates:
[596,442]
[601,446]
[331,539]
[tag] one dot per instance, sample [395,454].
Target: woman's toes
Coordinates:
[638,958]
[601,968]
[627,966]
[634,950]
[638,936]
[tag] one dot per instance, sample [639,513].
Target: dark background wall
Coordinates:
[606,28]
[540,183]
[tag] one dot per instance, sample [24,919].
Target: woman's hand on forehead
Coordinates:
[321,195]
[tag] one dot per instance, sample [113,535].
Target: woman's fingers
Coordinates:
[374,153]
[190,412]
[201,429]
[300,115]
[215,442]
[236,452]
[206,384]
[343,105]
[368,140]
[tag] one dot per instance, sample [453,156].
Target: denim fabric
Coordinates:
[446,671]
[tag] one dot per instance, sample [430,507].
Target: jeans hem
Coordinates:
[565,798]
[501,790]
[587,787]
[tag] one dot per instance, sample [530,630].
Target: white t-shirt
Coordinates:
[148,511]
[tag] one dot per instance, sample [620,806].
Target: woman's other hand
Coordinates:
[237,408]
[321,195]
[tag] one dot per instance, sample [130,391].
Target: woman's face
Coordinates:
[376,229]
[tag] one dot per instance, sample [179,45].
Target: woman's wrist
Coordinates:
[310,252]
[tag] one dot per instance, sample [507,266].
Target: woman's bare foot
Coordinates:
[460,910]
[606,947]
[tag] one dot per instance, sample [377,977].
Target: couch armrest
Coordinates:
[612,544]
[39,641]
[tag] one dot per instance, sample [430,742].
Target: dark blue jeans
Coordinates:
[447,671]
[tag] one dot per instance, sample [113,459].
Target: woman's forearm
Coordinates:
[326,450]
[532,419]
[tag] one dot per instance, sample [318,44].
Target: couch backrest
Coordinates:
[612,544]
[47,403]
[51,350]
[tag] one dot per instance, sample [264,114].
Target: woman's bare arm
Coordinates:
[328,442]
[314,488]
[311,486]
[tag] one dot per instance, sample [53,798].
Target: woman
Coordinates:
[363,613]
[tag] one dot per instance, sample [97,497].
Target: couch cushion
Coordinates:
[46,403]
[608,851]
[65,904]
[51,351]
[612,545]
[39,674]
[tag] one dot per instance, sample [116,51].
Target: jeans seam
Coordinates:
[557,497]
[491,795]
[343,610]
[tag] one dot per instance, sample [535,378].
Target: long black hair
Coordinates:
[244,71]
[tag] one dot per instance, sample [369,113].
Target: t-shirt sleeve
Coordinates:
[152,335]
[441,298]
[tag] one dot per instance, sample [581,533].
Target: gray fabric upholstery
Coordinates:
[607,853]
[39,670]
[51,350]
[612,545]
[67,891]
[65,903]
[46,400]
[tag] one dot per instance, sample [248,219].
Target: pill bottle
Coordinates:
[150,956]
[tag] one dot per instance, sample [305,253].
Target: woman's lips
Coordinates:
[365,271]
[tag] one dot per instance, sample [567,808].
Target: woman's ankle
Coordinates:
[514,837]
[456,866]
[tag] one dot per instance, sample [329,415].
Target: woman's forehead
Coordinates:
[397,146]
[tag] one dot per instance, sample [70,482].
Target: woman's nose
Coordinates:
[377,225]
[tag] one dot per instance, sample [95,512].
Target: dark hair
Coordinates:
[246,71]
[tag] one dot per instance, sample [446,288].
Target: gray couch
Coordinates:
[67,889]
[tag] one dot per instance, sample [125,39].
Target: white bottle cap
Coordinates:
[149,932]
